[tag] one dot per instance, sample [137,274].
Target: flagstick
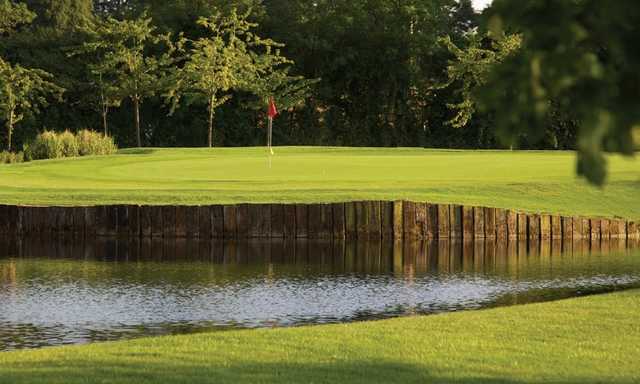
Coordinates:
[269,140]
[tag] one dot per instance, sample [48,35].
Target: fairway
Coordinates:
[586,340]
[540,181]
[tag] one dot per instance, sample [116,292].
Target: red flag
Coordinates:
[273,110]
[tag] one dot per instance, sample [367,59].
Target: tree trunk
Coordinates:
[211,122]
[9,130]
[105,110]
[136,106]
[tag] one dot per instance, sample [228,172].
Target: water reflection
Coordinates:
[68,290]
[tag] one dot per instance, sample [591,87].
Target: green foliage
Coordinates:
[470,69]
[51,145]
[583,56]
[7,157]
[91,143]
[23,90]
[13,15]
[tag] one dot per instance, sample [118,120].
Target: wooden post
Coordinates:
[230,218]
[556,227]
[490,223]
[350,220]
[633,230]
[242,221]
[277,221]
[586,228]
[398,220]
[192,220]
[217,221]
[478,222]
[259,222]
[134,221]
[374,216]
[444,222]
[205,222]
[122,217]
[89,222]
[502,228]
[605,229]
[4,219]
[145,221]
[512,224]
[181,222]
[320,221]
[339,228]
[289,221]
[157,224]
[545,227]
[326,228]
[467,223]
[595,229]
[433,224]
[567,228]
[534,226]
[386,211]
[577,228]
[362,220]
[169,221]
[523,226]
[302,221]
[455,221]
[621,228]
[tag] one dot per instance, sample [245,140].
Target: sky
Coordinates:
[481,4]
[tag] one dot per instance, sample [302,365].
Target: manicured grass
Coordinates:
[587,340]
[531,181]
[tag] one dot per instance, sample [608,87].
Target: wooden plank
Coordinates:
[169,222]
[502,228]
[89,222]
[478,222]
[586,228]
[230,219]
[259,221]
[242,221]
[444,222]
[455,221]
[277,221]
[217,221]
[145,221]
[605,229]
[4,219]
[157,224]
[594,225]
[193,222]
[490,223]
[432,230]
[289,221]
[320,221]
[362,220]
[386,211]
[533,220]
[467,223]
[205,222]
[633,230]
[302,221]
[556,227]
[621,228]
[512,224]
[350,220]
[374,219]
[567,228]
[134,221]
[100,220]
[577,228]
[326,222]
[422,221]
[122,217]
[523,226]
[181,221]
[339,228]
[398,220]
[545,227]
[78,221]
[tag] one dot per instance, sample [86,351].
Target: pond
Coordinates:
[67,291]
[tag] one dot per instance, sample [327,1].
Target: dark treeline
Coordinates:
[379,64]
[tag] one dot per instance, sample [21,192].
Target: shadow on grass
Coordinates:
[186,371]
[136,151]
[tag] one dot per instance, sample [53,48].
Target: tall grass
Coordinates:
[52,145]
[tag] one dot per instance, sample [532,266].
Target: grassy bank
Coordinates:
[585,340]
[533,181]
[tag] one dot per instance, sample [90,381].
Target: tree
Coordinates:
[582,55]
[12,15]
[22,90]
[232,57]
[125,47]
[470,69]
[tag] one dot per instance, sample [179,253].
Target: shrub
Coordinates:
[93,143]
[68,144]
[11,157]
[46,145]
[50,145]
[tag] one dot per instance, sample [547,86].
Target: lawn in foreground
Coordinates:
[532,181]
[586,340]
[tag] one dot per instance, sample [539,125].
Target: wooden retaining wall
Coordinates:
[362,220]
